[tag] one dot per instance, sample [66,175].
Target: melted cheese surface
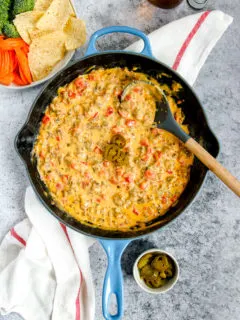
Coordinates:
[70,149]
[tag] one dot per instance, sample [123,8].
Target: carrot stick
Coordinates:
[23,64]
[14,62]
[17,80]
[25,49]
[11,43]
[7,79]
[7,62]
[22,75]
[1,57]
[4,63]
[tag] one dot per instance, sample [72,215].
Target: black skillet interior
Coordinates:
[191,107]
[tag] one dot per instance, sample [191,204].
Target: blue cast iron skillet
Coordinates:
[114,242]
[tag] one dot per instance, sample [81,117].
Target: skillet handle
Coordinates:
[91,49]
[222,173]
[113,282]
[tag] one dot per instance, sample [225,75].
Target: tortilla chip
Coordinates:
[42,5]
[44,53]
[75,31]
[36,33]
[56,16]
[24,22]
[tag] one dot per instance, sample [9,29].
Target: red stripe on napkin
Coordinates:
[189,38]
[17,237]
[77,302]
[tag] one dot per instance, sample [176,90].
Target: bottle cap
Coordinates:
[197,4]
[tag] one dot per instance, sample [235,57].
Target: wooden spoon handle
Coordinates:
[213,165]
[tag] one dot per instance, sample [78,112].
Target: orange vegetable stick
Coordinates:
[23,64]
[25,49]
[11,43]
[4,64]
[22,75]
[10,57]
[7,62]
[17,80]
[8,79]
[14,62]
[1,57]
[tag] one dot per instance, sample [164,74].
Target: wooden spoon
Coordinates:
[165,120]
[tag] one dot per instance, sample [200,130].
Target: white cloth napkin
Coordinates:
[185,44]
[44,267]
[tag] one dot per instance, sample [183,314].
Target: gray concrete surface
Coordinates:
[206,238]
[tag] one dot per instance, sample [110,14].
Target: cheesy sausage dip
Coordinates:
[100,156]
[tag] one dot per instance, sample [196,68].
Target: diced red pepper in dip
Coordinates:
[106,164]
[135,212]
[144,142]
[145,158]
[136,90]
[41,155]
[113,180]
[91,77]
[45,119]
[98,150]
[143,185]
[65,178]
[130,123]
[164,199]
[128,178]
[149,174]
[109,111]
[59,186]
[71,94]
[84,162]
[174,198]
[94,116]
[157,155]
[80,83]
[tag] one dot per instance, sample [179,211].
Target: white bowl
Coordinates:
[169,285]
[59,66]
